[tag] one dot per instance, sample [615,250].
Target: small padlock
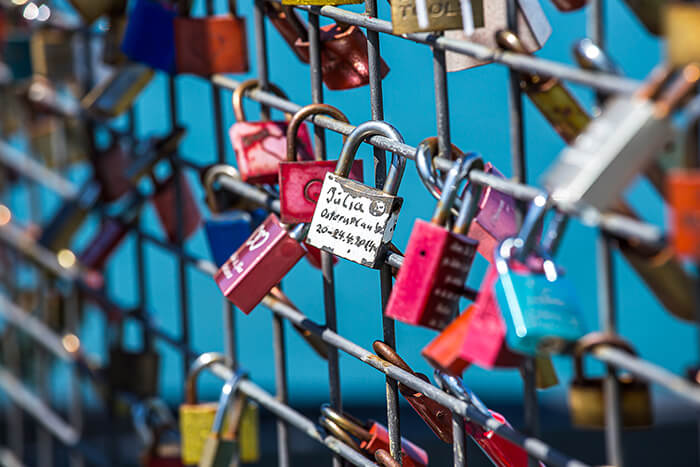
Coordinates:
[344,62]
[153,421]
[212,44]
[12,112]
[683,188]
[48,140]
[196,418]
[437,260]
[219,200]
[261,146]
[116,94]
[221,445]
[164,201]
[60,229]
[110,167]
[112,42]
[260,263]
[135,372]
[16,54]
[53,53]
[90,10]
[300,181]
[354,221]
[586,395]
[372,437]
[226,232]
[149,37]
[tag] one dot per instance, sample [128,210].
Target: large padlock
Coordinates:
[53,53]
[90,10]
[261,146]
[60,229]
[683,188]
[354,221]
[16,54]
[300,181]
[437,260]
[149,37]
[165,202]
[372,436]
[212,44]
[344,62]
[260,263]
[587,395]
[136,372]
[117,93]
[196,418]
[532,28]
[110,167]
[221,446]
[153,422]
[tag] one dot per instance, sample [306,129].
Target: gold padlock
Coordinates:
[682,29]
[53,54]
[442,16]
[196,419]
[117,93]
[249,434]
[587,395]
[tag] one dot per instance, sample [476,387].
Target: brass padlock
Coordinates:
[682,30]
[117,93]
[53,53]
[441,15]
[135,372]
[587,395]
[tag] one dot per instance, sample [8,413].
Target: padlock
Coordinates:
[153,421]
[438,15]
[616,146]
[260,263]
[165,202]
[196,418]
[549,95]
[261,146]
[16,54]
[12,112]
[587,395]
[680,24]
[226,232]
[110,168]
[78,144]
[48,140]
[436,416]
[60,229]
[287,22]
[684,214]
[650,13]
[249,434]
[437,260]
[344,62]
[116,94]
[220,447]
[149,37]
[300,182]
[384,459]
[53,53]
[112,42]
[135,372]
[354,221]
[90,10]
[569,5]
[532,28]
[212,44]
[372,436]
[219,200]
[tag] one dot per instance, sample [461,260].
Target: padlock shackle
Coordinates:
[426,151]
[525,239]
[301,115]
[346,422]
[200,363]
[591,57]
[237,99]
[590,341]
[458,173]
[334,430]
[228,390]
[211,175]
[358,135]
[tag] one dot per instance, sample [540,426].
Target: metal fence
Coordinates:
[20,249]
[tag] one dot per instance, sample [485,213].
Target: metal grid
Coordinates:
[53,428]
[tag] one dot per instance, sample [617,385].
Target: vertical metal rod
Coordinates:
[280,387]
[442,109]
[75,405]
[44,439]
[11,351]
[459,441]
[261,52]
[608,323]
[316,81]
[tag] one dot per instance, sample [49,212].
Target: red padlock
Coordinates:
[344,62]
[437,261]
[110,171]
[164,200]
[684,199]
[300,182]
[209,45]
[260,263]
[261,146]
[287,22]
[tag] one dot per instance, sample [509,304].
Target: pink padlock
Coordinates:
[261,146]
[500,451]
[164,200]
[260,263]
[437,261]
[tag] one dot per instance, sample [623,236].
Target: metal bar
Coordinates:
[459,441]
[280,353]
[261,52]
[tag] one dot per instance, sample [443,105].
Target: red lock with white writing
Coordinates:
[260,263]
[261,146]
[301,181]
[437,261]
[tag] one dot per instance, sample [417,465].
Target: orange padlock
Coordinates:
[683,191]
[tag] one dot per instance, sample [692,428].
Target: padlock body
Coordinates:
[259,264]
[103,244]
[587,403]
[53,54]
[684,198]
[196,421]
[226,233]
[412,455]
[431,279]
[500,451]
[353,221]
[300,186]
[261,146]
[149,37]
[442,15]
[209,45]
[116,94]
[165,202]
[540,314]
[90,10]
[136,372]
[218,451]
[63,225]
[249,434]
[560,108]
[110,169]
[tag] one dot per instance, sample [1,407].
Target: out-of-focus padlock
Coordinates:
[60,229]
[196,418]
[344,62]
[134,371]
[371,436]
[110,169]
[165,202]
[292,29]
[116,94]
[149,37]
[684,215]
[90,10]
[437,260]
[533,29]
[300,181]
[260,263]
[153,422]
[12,112]
[354,221]
[112,43]
[261,146]
[212,44]
[48,140]
[681,21]
[586,395]
[53,54]
[226,232]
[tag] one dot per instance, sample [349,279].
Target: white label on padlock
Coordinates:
[352,220]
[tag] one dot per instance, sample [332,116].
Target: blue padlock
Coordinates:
[539,305]
[226,233]
[149,37]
